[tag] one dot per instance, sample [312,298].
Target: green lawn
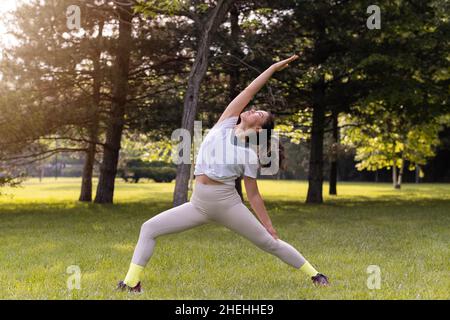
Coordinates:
[44,230]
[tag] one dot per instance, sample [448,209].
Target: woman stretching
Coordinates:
[215,198]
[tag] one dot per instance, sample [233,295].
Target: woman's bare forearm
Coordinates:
[258,206]
[242,99]
[259,82]
[238,104]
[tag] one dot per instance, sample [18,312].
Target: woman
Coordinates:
[215,198]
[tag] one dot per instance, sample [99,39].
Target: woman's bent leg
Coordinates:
[242,221]
[174,220]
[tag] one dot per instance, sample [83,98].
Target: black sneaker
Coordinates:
[320,280]
[122,286]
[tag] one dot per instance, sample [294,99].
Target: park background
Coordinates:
[87,108]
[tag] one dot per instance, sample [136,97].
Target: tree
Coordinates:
[345,63]
[62,71]
[334,154]
[108,169]
[233,71]
[392,141]
[94,113]
[206,20]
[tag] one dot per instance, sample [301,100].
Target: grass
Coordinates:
[44,230]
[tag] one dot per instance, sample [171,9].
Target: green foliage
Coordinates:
[137,169]
[158,174]
[297,127]
[148,164]
[7,180]
[385,139]
[150,8]
[139,146]
[48,80]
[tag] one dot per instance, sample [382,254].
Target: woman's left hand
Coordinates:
[278,66]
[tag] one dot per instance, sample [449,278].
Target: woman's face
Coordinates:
[254,118]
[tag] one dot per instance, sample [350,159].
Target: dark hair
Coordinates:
[269,125]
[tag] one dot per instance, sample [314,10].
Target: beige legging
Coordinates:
[213,203]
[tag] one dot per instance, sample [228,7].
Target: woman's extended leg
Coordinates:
[241,220]
[173,220]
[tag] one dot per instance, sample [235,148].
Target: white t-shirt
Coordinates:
[222,160]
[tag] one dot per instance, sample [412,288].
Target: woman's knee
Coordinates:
[149,229]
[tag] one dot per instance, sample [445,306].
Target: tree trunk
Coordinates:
[394,174]
[400,175]
[315,173]
[108,169]
[417,173]
[56,163]
[234,72]
[41,172]
[334,158]
[191,178]
[86,181]
[214,19]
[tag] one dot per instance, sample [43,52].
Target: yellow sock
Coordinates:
[134,275]
[308,269]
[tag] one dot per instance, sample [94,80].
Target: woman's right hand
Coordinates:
[272,231]
[278,66]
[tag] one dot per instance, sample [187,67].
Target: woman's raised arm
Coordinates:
[242,99]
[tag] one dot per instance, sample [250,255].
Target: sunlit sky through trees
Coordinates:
[5,6]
